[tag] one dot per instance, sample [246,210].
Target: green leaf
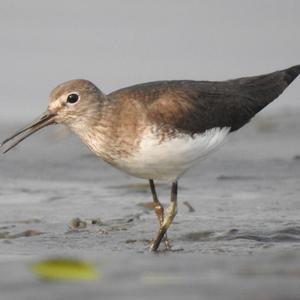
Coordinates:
[65,269]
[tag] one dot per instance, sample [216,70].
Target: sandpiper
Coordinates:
[158,130]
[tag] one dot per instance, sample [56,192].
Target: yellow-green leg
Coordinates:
[159,210]
[167,218]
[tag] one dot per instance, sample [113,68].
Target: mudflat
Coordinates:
[237,232]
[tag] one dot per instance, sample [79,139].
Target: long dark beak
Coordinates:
[46,119]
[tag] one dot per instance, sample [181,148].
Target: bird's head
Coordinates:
[72,103]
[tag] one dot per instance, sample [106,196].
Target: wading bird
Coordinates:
[158,130]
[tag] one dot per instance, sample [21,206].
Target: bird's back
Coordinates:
[195,106]
[158,130]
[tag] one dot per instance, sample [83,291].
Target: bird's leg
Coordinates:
[159,209]
[168,218]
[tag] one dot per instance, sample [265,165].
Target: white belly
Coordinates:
[170,158]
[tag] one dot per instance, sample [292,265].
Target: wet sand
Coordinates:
[241,241]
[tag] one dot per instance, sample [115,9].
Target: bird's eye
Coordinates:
[72,98]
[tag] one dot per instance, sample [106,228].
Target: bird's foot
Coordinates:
[167,243]
[161,236]
[167,246]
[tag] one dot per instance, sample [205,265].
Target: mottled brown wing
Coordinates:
[195,106]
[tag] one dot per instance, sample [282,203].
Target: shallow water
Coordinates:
[245,199]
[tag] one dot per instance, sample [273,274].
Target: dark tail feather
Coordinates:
[266,88]
[257,92]
[291,74]
[262,90]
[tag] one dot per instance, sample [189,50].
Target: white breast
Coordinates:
[170,158]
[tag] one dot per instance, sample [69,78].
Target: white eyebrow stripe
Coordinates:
[55,105]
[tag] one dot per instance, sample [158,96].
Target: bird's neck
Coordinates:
[93,131]
[113,132]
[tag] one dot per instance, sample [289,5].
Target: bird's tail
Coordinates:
[262,90]
[291,73]
[254,93]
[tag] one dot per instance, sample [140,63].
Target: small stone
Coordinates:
[77,223]
[96,221]
[189,206]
